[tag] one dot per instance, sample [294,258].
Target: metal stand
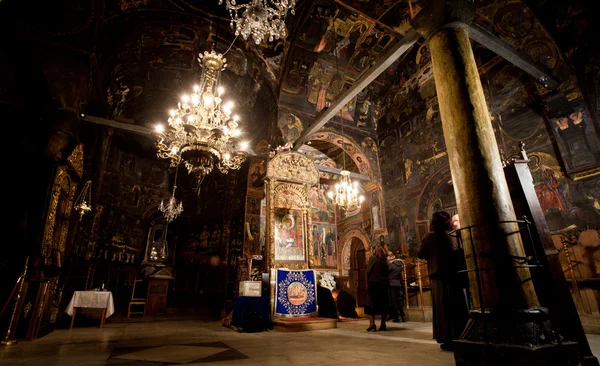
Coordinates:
[498,336]
[7,341]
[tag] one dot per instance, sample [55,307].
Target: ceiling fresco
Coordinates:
[149,59]
[142,54]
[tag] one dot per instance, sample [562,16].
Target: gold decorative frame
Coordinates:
[62,182]
[290,176]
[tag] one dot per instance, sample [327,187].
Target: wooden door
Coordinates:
[156,303]
[359,271]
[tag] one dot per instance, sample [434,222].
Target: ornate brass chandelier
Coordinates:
[259,18]
[202,132]
[346,193]
[172,209]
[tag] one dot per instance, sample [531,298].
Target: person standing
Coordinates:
[449,300]
[396,266]
[377,302]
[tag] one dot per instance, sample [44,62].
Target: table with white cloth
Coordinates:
[91,299]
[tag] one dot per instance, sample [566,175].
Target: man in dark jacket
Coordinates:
[396,266]
[346,303]
[326,303]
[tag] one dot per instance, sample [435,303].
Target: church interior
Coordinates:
[214,181]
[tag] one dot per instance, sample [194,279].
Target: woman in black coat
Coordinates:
[377,288]
[448,293]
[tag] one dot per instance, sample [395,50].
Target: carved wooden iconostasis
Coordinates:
[59,228]
[289,179]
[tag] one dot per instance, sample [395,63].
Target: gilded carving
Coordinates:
[76,160]
[290,176]
[290,195]
[294,167]
[55,233]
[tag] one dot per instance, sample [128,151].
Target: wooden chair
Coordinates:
[137,298]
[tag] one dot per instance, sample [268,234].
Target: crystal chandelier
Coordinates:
[202,132]
[259,18]
[346,194]
[82,203]
[172,209]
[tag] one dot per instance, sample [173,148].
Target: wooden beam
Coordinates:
[365,79]
[521,60]
[330,170]
[141,130]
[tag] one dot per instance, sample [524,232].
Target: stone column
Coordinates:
[506,321]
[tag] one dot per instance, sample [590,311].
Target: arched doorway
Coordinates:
[358,270]
[353,259]
[437,194]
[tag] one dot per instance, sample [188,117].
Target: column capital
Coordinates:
[440,14]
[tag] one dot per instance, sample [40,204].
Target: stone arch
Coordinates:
[345,241]
[353,277]
[425,200]
[351,148]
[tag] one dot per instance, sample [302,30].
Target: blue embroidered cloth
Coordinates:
[245,308]
[296,292]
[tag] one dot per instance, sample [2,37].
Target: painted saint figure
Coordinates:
[330,245]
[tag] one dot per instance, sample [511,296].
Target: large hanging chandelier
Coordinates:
[346,193]
[259,18]
[172,209]
[201,131]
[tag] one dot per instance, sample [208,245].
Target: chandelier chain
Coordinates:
[346,193]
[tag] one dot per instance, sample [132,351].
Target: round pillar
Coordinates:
[482,194]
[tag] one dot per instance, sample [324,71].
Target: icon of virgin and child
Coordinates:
[288,236]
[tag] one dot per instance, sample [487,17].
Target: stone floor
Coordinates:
[196,342]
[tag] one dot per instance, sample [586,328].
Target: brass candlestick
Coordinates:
[564,240]
[405,277]
[7,341]
[420,282]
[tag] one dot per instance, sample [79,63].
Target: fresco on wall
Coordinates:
[253,206]
[563,201]
[399,229]
[324,245]
[257,173]
[350,147]
[255,234]
[376,211]
[323,210]
[291,126]
[575,135]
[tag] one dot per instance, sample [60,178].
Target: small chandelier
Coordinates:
[172,209]
[346,194]
[260,18]
[83,202]
[202,132]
